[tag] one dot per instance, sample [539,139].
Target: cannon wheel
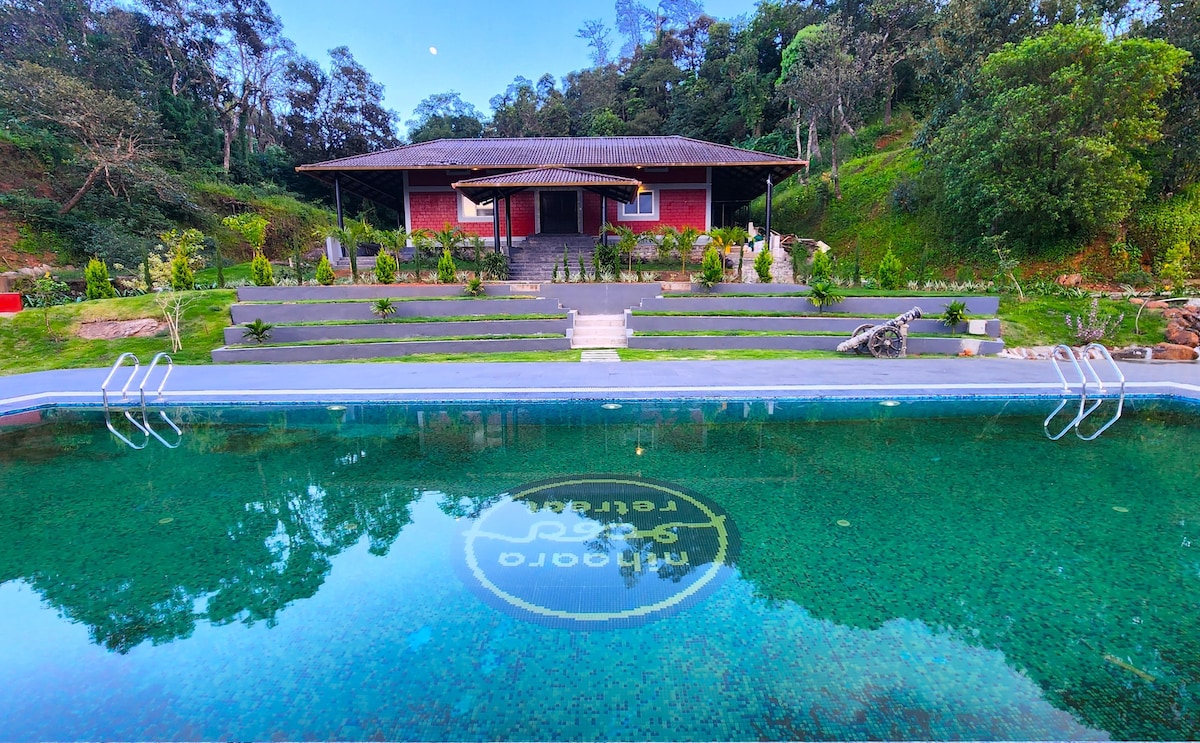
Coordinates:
[862,347]
[886,343]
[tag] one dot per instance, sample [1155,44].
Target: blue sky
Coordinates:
[481,46]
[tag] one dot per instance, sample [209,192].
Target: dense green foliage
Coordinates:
[1048,150]
[712,270]
[385,267]
[261,273]
[325,275]
[98,284]
[446,270]
[762,265]
[889,274]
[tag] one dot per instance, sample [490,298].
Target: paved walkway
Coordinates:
[845,378]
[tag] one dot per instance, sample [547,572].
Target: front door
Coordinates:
[560,212]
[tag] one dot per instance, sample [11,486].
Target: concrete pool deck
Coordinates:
[417,382]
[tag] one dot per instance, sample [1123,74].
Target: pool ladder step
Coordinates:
[143,426]
[1064,353]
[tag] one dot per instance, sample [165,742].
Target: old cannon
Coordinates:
[887,340]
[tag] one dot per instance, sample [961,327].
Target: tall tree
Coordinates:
[444,116]
[1047,150]
[596,34]
[114,140]
[834,73]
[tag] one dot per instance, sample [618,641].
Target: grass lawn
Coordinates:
[25,346]
[233,272]
[1041,321]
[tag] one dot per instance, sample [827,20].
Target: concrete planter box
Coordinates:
[350,351]
[357,291]
[832,325]
[309,333]
[891,306]
[335,311]
[947,346]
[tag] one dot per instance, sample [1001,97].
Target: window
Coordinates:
[468,210]
[643,206]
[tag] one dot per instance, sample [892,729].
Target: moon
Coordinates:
[433,50]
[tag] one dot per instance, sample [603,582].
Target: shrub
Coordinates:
[1135,277]
[495,266]
[1175,266]
[712,269]
[260,270]
[905,196]
[325,275]
[383,308]
[822,266]
[385,268]
[824,293]
[446,269]
[762,265]
[956,312]
[1093,328]
[182,277]
[890,273]
[474,287]
[98,284]
[257,331]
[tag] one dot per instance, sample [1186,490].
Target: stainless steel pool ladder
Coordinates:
[1085,410]
[143,426]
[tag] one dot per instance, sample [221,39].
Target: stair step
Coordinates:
[606,355]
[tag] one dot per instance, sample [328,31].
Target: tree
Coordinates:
[113,139]
[444,116]
[894,23]
[832,74]
[1048,149]
[596,34]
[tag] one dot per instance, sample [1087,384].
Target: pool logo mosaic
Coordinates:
[598,551]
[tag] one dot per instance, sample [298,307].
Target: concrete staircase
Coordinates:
[534,259]
[599,331]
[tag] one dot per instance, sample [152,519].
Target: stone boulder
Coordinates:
[1183,326]
[1173,352]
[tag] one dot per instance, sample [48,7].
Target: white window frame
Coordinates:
[623,216]
[468,211]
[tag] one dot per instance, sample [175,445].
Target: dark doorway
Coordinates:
[560,212]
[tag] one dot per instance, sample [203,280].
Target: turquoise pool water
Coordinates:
[661,571]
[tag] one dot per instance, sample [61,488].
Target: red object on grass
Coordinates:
[10,302]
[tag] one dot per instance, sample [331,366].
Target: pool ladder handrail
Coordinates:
[142,426]
[159,396]
[1085,355]
[1070,356]
[137,364]
[1084,409]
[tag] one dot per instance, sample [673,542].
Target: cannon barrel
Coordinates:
[864,336]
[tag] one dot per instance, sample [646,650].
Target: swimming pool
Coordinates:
[657,571]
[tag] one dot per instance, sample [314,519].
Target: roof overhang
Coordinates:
[492,187]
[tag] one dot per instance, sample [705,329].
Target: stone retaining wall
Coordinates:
[350,351]
[309,333]
[947,346]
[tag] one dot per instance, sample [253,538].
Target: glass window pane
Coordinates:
[646,203]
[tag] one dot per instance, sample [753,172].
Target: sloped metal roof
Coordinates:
[535,152]
[498,186]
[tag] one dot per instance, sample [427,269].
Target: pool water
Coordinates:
[659,571]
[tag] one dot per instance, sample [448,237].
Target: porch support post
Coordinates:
[337,200]
[603,219]
[496,225]
[507,223]
[767,226]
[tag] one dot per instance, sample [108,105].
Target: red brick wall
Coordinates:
[431,210]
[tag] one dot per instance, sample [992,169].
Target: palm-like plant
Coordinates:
[258,331]
[824,293]
[356,231]
[627,239]
[684,242]
[383,308]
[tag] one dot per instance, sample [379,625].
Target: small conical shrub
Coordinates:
[385,268]
[446,270]
[325,275]
[98,284]
[890,273]
[260,270]
[182,277]
[762,265]
[712,269]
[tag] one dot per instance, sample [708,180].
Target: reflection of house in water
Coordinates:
[479,429]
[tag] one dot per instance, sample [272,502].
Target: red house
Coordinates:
[506,190]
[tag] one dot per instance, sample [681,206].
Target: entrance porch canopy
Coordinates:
[496,187]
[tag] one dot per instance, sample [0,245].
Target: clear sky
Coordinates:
[480,46]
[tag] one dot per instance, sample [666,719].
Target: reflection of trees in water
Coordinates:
[233,527]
